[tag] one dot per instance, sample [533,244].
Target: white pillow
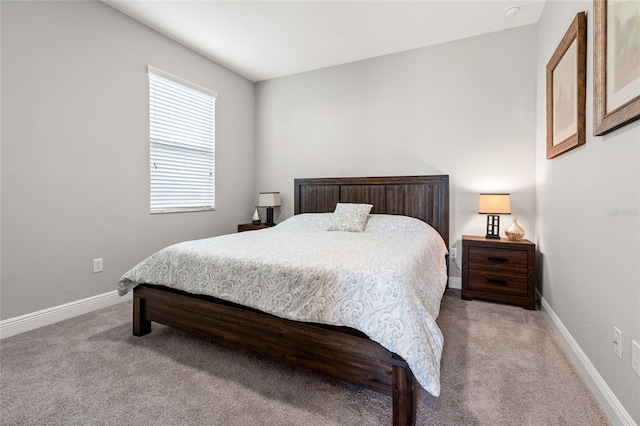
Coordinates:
[350,217]
[306,222]
[394,224]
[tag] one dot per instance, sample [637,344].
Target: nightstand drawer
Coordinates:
[497,282]
[514,261]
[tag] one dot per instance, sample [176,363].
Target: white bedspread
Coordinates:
[386,282]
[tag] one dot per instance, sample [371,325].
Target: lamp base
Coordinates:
[493,227]
[270,216]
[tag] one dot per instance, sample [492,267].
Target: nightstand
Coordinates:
[253,227]
[499,270]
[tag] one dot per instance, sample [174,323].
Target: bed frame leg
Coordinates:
[141,326]
[405,402]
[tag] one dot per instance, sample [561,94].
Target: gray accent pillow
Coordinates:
[350,217]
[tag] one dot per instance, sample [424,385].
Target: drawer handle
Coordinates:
[497,282]
[497,259]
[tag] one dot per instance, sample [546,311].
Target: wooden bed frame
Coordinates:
[340,352]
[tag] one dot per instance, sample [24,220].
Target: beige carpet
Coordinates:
[501,365]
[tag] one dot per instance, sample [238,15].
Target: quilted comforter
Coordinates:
[387,281]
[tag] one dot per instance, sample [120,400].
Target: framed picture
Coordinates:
[566,90]
[616,67]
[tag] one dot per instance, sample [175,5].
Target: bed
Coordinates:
[347,349]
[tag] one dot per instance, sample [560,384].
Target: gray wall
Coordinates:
[590,260]
[75,154]
[464,108]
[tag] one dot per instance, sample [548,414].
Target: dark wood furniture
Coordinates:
[499,270]
[253,227]
[340,352]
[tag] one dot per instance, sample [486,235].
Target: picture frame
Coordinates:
[566,90]
[616,80]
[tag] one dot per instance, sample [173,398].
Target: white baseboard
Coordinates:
[13,326]
[622,417]
[455,282]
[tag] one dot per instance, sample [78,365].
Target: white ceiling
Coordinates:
[261,40]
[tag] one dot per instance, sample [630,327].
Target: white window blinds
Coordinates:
[182,144]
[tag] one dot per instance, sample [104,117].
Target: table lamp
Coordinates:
[269,200]
[493,205]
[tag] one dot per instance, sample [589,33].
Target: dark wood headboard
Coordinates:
[423,197]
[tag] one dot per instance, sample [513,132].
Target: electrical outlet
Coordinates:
[617,342]
[453,251]
[635,357]
[97,265]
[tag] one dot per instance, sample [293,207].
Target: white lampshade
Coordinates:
[494,204]
[269,199]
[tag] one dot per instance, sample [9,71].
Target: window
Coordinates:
[182,144]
